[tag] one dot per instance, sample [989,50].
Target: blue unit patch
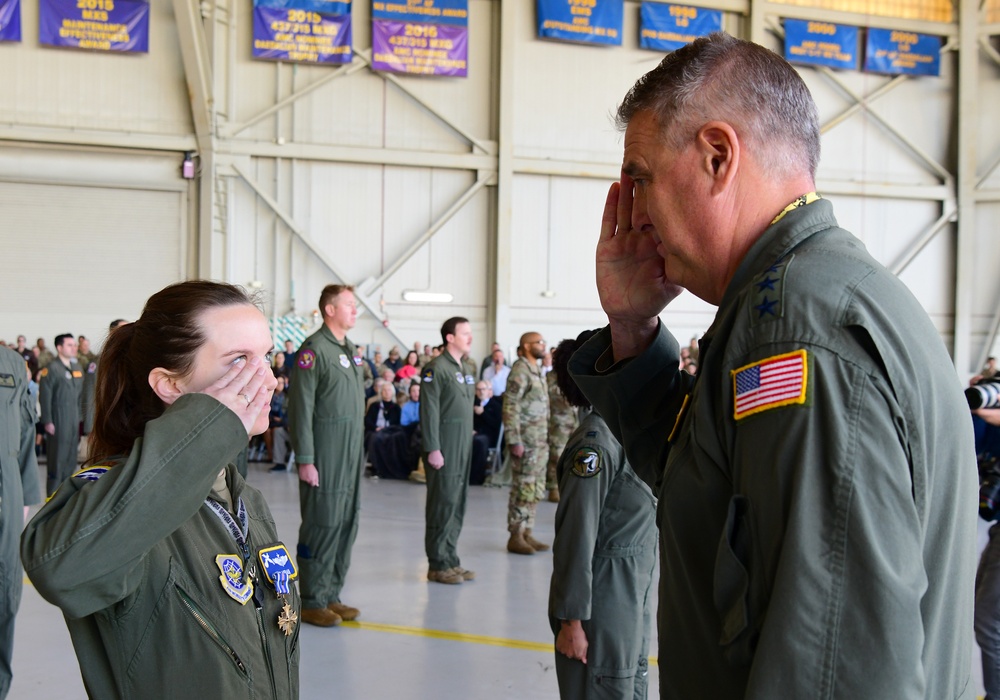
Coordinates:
[91,473]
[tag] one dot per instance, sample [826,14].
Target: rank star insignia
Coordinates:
[287,619]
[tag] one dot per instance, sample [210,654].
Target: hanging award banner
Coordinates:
[587,21]
[821,44]
[896,52]
[10,20]
[665,27]
[421,37]
[100,25]
[302,31]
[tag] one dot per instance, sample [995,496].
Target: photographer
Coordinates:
[986,423]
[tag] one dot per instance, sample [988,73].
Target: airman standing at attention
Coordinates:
[446,399]
[17,455]
[525,422]
[326,422]
[60,387]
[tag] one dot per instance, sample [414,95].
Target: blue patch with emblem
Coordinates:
[91,473]
[278,566]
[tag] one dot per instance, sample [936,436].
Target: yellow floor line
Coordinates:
[458,637]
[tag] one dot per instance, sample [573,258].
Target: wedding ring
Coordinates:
[246,398]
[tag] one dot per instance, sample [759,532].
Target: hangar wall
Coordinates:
[488,188]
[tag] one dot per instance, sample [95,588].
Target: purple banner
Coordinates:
[421,49]
[10,20]
[100,25]
[301,36]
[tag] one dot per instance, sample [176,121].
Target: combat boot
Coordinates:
[321,617]
[419,475]
[466,574]
[346,612]
[533,543]
[449,576]
[517,544]
[554,495]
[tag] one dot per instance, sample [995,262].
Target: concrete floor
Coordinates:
[486,639]
[483,640]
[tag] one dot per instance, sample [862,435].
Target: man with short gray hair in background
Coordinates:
[816,480]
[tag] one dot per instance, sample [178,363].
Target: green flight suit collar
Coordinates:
[777,241]
[328,334]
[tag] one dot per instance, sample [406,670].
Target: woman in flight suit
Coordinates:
[164,561]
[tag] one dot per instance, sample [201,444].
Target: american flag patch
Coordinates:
[776,381]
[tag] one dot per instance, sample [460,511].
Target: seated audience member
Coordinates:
[276,437]
[410,369]
[486,421]
[488,360]
[376,396]
[425,356]
[382,413]
[395,361]
[389,446]
[497,372]
[410,411]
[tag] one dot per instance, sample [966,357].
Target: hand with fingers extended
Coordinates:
[631,280]
[246,389]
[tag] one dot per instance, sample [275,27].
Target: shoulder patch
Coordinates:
[586,463]
[91,368]
[7,380]
[767,292]
[91,473]
[306,359]
[781,380]
[428,374]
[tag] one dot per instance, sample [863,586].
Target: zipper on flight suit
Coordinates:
[263,635]
[212,632]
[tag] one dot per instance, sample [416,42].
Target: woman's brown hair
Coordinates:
[167,335]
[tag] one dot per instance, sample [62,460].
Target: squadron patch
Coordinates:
[91,368]
[344,362]
[357,360]
[91,473]
[428,375]
[278,567]
[231,567]
[469,379]
[460,377]
[586,463]
[6,379]
[307,358]
[781,380]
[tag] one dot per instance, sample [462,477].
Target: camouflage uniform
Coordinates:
[525,422]
[563,420]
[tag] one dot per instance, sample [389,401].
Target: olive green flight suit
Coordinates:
[130,555]
[60,388]
[326,426]
[603,559]
[817,498]
[447,395]
[87,394]
[16,445]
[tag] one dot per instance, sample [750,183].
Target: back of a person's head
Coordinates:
[560,366]
[167,334]
[756,91]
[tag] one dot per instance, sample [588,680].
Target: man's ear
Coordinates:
[720,150]
[165,384]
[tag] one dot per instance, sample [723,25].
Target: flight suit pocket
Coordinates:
[611,683]
[731,585]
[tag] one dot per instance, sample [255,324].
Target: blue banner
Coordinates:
[821,44]
[10,20]
[329,7]
[589,21]
[301,36]
[895,52]
[434,11]
[100,25]
[668,27]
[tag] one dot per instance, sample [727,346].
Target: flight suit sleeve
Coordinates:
[30,484]
[84,549]
[518,384]
[824,534]
[578,517]
[301,407]
[430,409]
[640,398]
[45,395]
